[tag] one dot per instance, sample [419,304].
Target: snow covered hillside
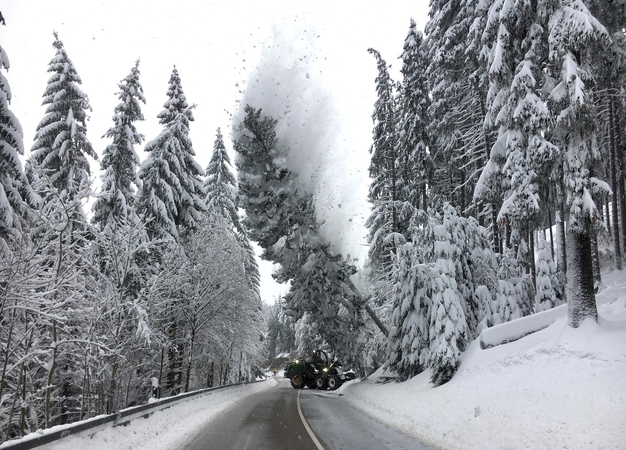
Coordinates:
[559,388]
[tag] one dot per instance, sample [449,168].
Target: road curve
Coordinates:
[267,420]
[271,420]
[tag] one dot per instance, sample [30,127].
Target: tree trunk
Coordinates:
[240,362]
[531,256]
[597,276]
[189,360]
[211,375]
[368,309]
[497,242]
[15,397]
[561,260]
[7,353]
[614,183]
[161,368]
[114,366]
[581,298]
[53,367]
[621,176]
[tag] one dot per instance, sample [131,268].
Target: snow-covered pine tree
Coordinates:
[171,192]
[460,145]
[14,187]
[384,171]
[573,31]
[415,165]
[517,38]
[221,200]
[448,327]
[61,146]
[413,159]
[120,160]
[220,184]
[508,296]
[409,338]
[546,271]
[59,172]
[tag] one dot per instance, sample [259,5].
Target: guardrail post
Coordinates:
[155,387]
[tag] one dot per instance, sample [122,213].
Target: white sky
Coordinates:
[305,62]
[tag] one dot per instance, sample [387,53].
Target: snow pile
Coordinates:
[557,388]
[166,429]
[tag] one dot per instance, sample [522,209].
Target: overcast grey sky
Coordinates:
[305,62]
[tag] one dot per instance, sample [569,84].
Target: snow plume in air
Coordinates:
[288,83]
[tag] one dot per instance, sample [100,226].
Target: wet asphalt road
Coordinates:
[270,420]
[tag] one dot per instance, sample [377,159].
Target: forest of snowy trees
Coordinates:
[498,167]
[159,281]
[497,182]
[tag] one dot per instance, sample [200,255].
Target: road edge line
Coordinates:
[306,424]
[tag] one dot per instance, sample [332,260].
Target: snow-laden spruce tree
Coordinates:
[412,138]
[411,302]
[171,196]
[448,327]
[59,171]
[220,184]
[517,38]
[120,160]
[460,145]
[446,272]
[221,200]
[14,187]
[546,297]
[384,171]
[61,146]
[572,33]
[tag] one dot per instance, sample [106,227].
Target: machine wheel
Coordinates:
[321,383]
[334,383]
[297,381]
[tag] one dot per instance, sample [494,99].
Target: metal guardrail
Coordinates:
[121,417]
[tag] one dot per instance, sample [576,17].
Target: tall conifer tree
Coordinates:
[14,187]
[61,146]
[222,201]
[120,160]
[171,194]
[572,32]
[414,160]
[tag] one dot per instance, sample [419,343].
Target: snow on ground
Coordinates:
[559,388]
[164,430]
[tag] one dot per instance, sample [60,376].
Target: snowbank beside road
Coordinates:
[164,430]
[558,388]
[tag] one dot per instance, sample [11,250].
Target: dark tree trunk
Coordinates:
[607,217]
[613,132]
[597,276]
[210,376]
[621,176]
[497,242]
[581,298]
[531,256]
[561,260]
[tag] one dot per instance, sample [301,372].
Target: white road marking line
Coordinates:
[306,424]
